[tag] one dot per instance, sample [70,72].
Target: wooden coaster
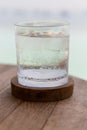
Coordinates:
[41,94]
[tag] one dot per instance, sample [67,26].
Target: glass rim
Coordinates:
[43,23]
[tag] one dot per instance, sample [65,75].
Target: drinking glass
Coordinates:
[42,53]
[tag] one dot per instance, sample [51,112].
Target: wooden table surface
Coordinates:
[15,114]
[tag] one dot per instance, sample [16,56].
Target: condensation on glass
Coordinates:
[42,53]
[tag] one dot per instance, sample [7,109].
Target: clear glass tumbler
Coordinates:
[42,53]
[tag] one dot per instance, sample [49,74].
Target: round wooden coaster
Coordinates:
[41,94]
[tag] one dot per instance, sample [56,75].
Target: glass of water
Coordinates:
[42,53]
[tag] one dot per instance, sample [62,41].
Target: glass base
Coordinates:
[53,83]
[43,77]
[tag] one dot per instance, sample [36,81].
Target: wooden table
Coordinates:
[15,114]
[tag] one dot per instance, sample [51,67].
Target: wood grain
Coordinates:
[7,102]
[4,68]
[26,112]
[6,76]
[70,114]
[67,118]
[28,116]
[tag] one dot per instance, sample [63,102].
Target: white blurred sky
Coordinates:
[70,5]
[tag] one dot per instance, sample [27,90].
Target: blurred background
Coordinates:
[74,11]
